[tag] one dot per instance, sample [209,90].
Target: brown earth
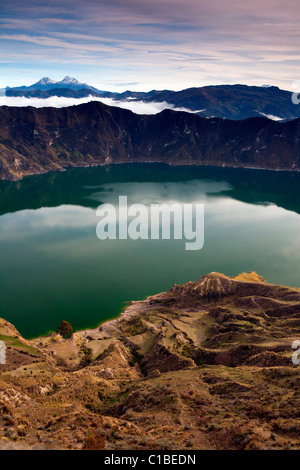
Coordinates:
[206,365]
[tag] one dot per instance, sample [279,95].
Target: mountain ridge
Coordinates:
[36,140]
[225,101]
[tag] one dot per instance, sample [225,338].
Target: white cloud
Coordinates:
[272,117]
[138,107]
[157,193]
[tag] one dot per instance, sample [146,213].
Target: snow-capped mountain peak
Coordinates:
[46,81]
[70,80]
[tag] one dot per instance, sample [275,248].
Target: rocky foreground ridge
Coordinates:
[37,140]
[206,365]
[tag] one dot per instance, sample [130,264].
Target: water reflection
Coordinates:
[53,267]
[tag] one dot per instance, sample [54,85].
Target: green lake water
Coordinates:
[54,268]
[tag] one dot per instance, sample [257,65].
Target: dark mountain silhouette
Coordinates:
[61,92]
[224,101]
[36,140]
[232,101]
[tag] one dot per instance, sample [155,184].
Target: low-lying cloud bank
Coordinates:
[138,107]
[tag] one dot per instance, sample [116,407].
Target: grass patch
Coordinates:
[17,344]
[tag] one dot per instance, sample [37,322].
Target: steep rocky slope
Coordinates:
[206,365]
[38,140]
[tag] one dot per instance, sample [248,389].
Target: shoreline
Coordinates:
[181,163]
[89,329]
[104,333]
[135,307]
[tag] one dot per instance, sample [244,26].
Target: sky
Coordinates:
[142,45]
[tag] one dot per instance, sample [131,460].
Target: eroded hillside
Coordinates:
[206,365]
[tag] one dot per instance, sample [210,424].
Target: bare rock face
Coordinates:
[208,286]
[35,140]
[204,365]
[117,362]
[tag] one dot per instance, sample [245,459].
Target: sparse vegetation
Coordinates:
[65,330]
[87,355]
[94,441]
[209,372]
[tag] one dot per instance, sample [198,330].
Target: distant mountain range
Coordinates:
[223,101]
[37,140]
[47,84]
[231,101]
